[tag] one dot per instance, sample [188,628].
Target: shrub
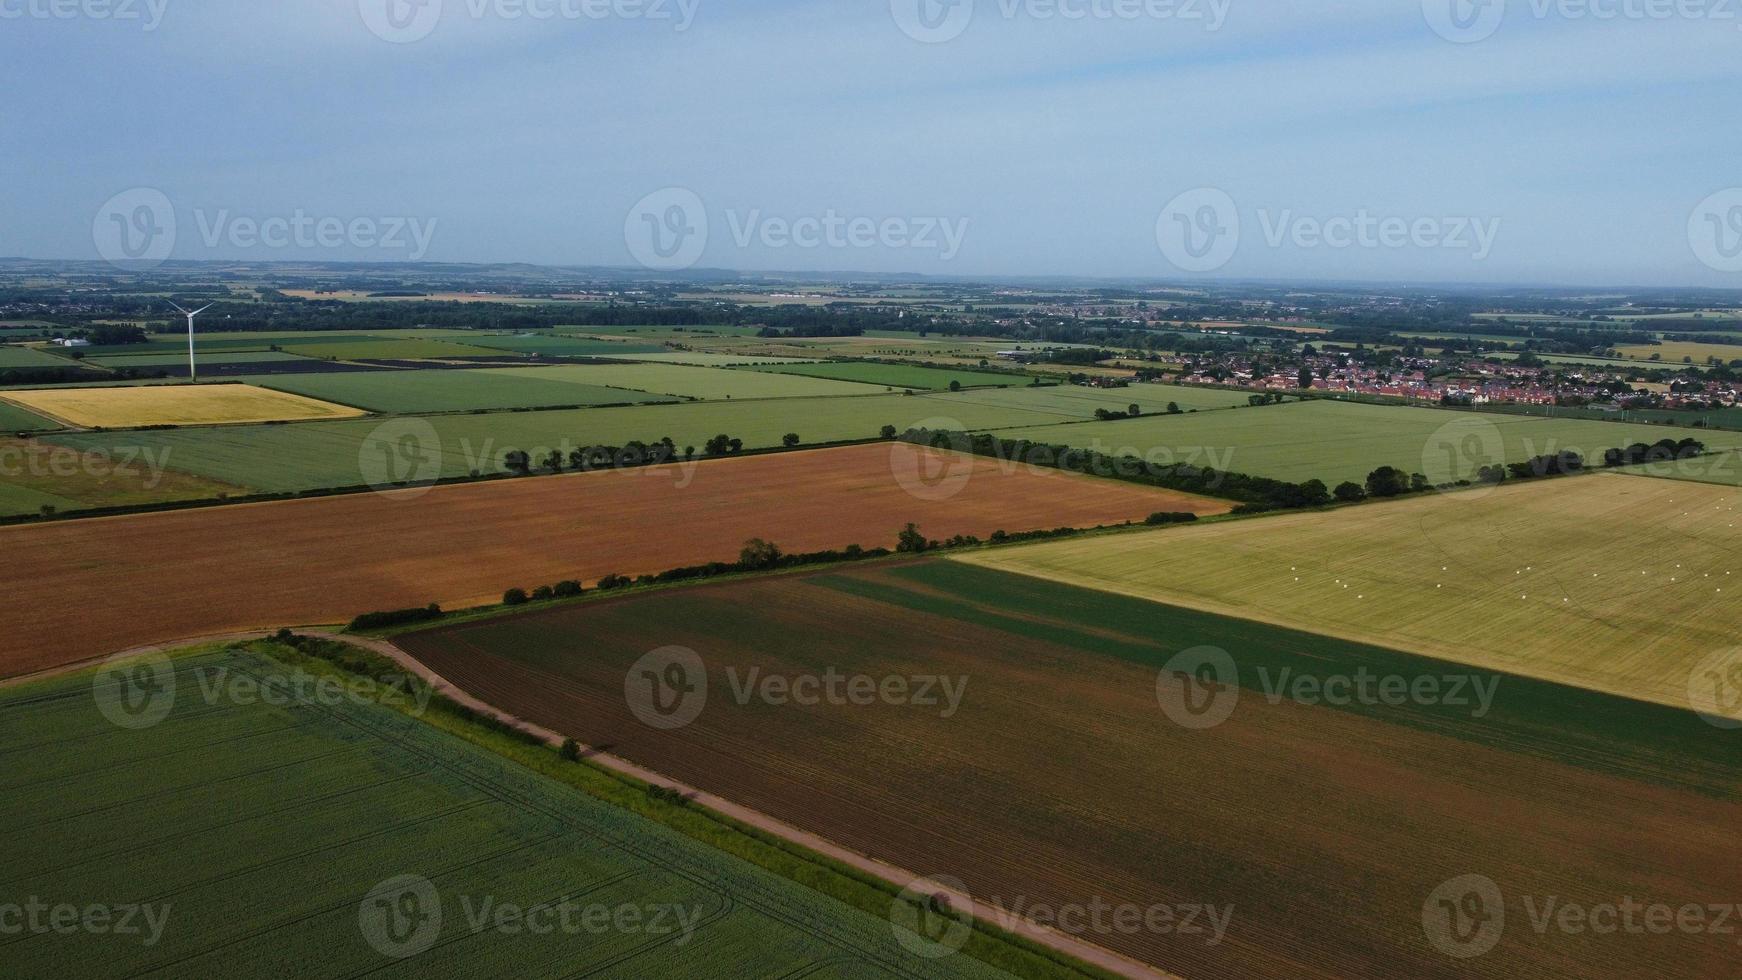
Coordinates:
[568,589]
[396,617]
[515,597]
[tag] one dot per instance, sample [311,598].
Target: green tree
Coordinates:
[789,440]
[1350,493]
[515,597]
[889,432]
[955,385]
[1387,481]
[759,554]
[517,461]
[910,541]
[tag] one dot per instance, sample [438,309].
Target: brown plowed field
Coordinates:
[1060,781]
[83,589]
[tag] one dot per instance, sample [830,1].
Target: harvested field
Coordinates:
[131,407]
[327,560]
[1057,781]
[255,823]
[1616,583]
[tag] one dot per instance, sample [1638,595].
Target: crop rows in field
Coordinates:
[1057,780]
[257,829]
[301,561]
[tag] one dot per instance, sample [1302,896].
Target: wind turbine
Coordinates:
[193,373]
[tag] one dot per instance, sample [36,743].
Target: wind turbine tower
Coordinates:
[193,373]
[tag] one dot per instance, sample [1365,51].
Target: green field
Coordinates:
[258,830]
[305,456]
[1079,402]
[450,390]
[16,419]
[12,356]
[1335,441]
[713,358]
[896,375]
[560,346]
[688,381]
[179,358]
[387,350]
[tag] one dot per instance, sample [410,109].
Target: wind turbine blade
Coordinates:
[177,308]
[202,309]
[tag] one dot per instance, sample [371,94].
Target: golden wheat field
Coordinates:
[132,407]
[1621,584]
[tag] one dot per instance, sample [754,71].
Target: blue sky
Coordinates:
[1046,145]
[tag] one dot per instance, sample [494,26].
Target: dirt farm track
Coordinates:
[87,588]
